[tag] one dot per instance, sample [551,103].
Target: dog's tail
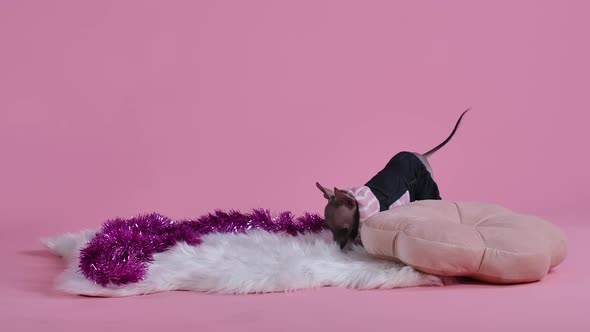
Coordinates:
[438,147]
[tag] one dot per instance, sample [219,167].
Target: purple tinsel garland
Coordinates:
[123,249]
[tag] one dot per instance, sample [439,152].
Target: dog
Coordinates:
[407,177]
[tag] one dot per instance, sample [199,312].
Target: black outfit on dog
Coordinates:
[404,172]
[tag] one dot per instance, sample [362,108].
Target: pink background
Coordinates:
[113,108]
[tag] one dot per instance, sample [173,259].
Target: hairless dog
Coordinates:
[407,177]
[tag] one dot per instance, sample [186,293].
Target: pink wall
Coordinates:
[119,107]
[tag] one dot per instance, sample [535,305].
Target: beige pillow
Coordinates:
[477,240]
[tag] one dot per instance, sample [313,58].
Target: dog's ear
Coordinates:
[345,198]
[327,192]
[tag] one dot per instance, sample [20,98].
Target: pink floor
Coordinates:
[559,302]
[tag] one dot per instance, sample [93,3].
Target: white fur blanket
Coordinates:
[255,262]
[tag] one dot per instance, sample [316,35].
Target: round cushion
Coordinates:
[477,240]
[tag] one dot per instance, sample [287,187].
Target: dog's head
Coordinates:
[341,214]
